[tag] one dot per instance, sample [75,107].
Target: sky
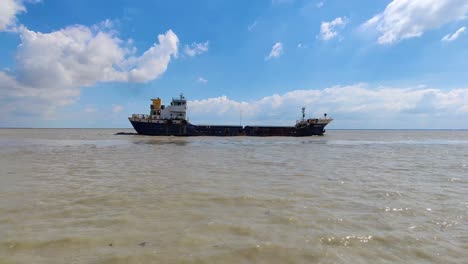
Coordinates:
[369,64]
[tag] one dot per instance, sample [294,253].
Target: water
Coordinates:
[89,196]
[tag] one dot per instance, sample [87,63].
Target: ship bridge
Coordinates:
[176,110]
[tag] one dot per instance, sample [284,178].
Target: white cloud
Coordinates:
[155,60]
[252,26]
[279,2]
[52,67]
[328,30]
[357,105]
[8,11]
[454,36]
[276,51]
[90,109]
[403,19]
[320,4]
[202,80]
[117,108]
[196,48]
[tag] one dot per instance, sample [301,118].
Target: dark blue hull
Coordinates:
[265,131]
[168,129]
[187,129]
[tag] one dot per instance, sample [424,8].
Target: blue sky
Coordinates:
[368,64]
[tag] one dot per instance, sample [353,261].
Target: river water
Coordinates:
[351,196]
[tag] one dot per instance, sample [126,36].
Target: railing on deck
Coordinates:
[140,116]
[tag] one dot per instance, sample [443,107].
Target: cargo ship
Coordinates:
[171,120]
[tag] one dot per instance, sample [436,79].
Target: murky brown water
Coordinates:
[88,196]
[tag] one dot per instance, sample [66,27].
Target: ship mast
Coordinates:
[303,113]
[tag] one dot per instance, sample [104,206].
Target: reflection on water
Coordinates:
[89,196]
[156,141]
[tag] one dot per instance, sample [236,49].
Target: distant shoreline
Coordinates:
[331,129]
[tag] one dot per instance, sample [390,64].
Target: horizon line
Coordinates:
[415,129]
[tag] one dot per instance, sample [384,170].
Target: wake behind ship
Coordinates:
[172,120]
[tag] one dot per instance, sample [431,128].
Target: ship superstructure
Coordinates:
[172,120]
[177,110]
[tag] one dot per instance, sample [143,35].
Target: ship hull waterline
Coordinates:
[186,129]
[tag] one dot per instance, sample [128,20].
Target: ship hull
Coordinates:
[268,131]
[144,127]
[187,129]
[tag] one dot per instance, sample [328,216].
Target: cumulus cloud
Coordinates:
[276,51]
[8,11]
[155,60]
[52,67]
[202,80]
[454,36]
[79,56]
[404,19]
[354,105]
[328,30]
[196,48]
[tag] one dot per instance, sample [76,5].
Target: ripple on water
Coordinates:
[347,241]
[348,197]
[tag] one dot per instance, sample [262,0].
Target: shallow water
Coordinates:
[89,196]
